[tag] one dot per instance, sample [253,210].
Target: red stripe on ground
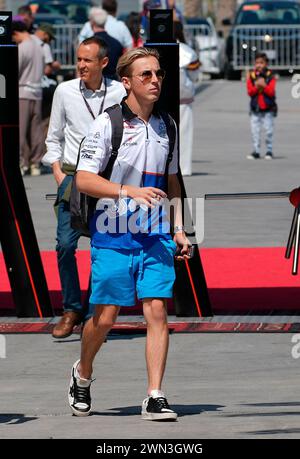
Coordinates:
[178,327]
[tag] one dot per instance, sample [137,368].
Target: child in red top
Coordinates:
[261,86]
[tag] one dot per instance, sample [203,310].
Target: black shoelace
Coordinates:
[81,394]
[162,403]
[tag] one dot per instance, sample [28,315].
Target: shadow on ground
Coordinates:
[275,432]
[182,410]
[15,418]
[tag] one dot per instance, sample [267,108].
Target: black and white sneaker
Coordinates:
[269,155]
[253,155]
[79,393]
[156,408]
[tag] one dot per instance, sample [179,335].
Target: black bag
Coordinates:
[171,132]
[82,206]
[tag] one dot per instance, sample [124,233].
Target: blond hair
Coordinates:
[125,61]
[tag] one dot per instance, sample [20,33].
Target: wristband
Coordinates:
[179,229]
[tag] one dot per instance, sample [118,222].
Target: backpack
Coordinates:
[82,206]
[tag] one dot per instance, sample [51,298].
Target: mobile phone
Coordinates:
[190,253]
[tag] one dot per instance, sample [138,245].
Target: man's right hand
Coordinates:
[149,196]
[59,177]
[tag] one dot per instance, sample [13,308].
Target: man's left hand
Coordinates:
[183,245]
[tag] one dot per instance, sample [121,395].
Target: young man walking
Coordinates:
[76,104]
[131,252]
[261,86]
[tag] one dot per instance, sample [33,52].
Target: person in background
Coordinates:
[189,73]
[133,23]
[44,34]
[31,70]
[98,19]
[177,14]
[116,29]
[145,14]
[158,4]
[27,16]
[261,87]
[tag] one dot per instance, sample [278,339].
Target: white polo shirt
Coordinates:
[141,162]
[70,118]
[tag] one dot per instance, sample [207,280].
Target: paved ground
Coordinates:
[223,386]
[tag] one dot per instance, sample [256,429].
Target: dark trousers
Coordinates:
[31,133]
[67,243]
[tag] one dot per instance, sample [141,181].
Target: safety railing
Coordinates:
[193,30]
[280,43]
[65,44]
[66,41]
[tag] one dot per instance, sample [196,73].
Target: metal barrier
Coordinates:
[66,41]
[65,44]
[294,235]
[209,46]
[193,30]
[280,43]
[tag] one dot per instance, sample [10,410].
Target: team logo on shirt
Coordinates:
[127,125]
[86,156]
[129,142]
[88,153]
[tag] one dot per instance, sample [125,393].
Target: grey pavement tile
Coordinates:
[223,386]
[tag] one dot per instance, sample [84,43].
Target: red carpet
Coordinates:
[239,280]
[251,279]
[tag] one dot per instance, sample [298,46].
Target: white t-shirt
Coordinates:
[31,69]
[48,58]
[115,28]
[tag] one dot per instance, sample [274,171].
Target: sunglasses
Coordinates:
[146,75]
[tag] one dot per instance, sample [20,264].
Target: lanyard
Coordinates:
[86,102]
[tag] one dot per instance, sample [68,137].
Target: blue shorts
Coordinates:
[119,275]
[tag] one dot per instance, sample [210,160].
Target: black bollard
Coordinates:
[191,297]
[294,241]
[17,235]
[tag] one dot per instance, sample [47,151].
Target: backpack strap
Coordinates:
[116,118]
[171,131]
[78,154]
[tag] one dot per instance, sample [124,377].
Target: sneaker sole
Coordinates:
[73,409]
[159,417]
[80,414]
